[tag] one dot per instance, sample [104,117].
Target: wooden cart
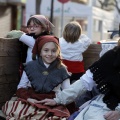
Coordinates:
[10,57]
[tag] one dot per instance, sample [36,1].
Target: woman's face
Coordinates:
[35,28]
[49,52]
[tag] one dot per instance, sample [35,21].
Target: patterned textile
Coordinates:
[20,109]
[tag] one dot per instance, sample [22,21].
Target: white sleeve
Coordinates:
[85,42]
[28,40]
[88,81]
[24,82]
[68,95]
[65,84]
[76,89]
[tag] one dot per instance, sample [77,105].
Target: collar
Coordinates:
[46,65]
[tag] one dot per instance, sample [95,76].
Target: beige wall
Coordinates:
[5,20]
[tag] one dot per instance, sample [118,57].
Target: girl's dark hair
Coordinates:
[36,21]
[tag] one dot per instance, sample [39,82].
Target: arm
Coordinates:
[68,95]
[65,84]
[85,42]
[78,88]
[112,115]
[28,40]
[24,82]
[22,88]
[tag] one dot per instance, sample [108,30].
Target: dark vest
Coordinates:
[43,79]
[106,73]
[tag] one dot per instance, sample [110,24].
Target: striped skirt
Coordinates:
[20,109]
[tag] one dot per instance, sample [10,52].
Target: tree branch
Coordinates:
[116,5]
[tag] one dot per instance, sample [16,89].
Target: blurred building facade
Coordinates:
[12,15]
[94,21]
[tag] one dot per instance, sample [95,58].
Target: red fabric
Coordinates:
[20,109]
[20,69]
[41,41]
[30,93]
[74,66]
[58,110]
[23,93]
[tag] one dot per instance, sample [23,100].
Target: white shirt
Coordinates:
[29,41]
[76,89]
[73,51]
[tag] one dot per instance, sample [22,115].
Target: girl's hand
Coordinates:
[31,100]
[50,102]
[112,115]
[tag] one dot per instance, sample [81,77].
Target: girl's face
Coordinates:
[35,28]
[49,52]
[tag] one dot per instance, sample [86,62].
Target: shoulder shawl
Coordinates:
[45,79]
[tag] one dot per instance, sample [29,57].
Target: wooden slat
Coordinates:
[7,79]
[91,54]
[9,65]
[10,52]
[7,91]
[9,47]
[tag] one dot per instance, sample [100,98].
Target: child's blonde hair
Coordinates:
[72,32]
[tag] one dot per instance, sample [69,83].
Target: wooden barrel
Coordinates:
[91,55]
[10,51]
